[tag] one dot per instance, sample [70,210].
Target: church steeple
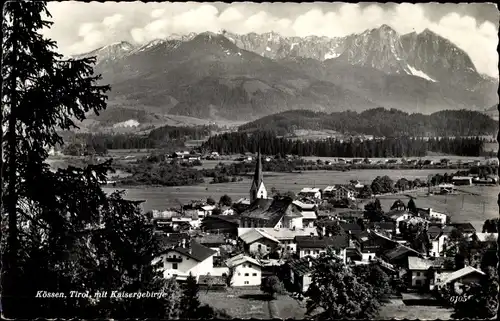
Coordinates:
[258,190]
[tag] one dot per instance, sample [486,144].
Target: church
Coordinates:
[269,212]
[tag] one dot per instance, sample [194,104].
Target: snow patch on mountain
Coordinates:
[128,123]
[419,73]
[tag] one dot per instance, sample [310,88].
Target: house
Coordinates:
[398,216]
[189,257]
[369,244]
[245,271]
[461,277]
[308,212]
[446,188]
[314,193]
[299,273]
[343,193]
[399,255]
[206,210]
[191,157]
[341,161]
[275,213]
[419,272]
[315,245]
[212,241]
[226,210]
[386,227]
[364,245]
[350,228]
[179,222]
[433,216]
[226,224]
[195,219]
[356,184]
[461,180]
[349,215]
[285,236]
[329,192]
[492,161]
[180,154]
[167,240]
[308,218]
[258,241]
[164,214]
[241,205]
[439,238]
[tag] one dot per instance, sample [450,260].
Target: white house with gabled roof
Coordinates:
[244,270]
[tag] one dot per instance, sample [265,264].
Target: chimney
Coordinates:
[184,243]
[310,263]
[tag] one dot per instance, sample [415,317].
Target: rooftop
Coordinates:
[329,189]
[214,239]
[308,242]
[241,258]
[256,234]
[282,233]
[167,240]
[460,273]
[304,265]
[350,227]
[399,251]
[196,251]
[416,263]
[382,225]
[311,215]
[271,210]
[303,205]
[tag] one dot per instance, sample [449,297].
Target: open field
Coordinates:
[286,307]
[238,302]
[161,198]
[399,311]
[479,204]
[453,158]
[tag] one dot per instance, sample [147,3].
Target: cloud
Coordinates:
[157,13]
[112,21]
[104,23]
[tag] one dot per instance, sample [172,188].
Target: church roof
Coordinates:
[258,177]
[271,210]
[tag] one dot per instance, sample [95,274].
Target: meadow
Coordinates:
[240,302]
[161,198]
[473,204]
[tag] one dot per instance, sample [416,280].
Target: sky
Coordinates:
[80,27]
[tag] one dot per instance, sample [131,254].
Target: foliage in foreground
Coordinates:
[336,292]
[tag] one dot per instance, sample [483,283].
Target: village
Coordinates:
[239,244]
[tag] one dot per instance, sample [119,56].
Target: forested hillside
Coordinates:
[241,142]
[380,122]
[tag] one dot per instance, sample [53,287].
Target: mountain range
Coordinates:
[242,77]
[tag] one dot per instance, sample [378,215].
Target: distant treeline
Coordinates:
[171,136]
[270,144]
[380,122]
